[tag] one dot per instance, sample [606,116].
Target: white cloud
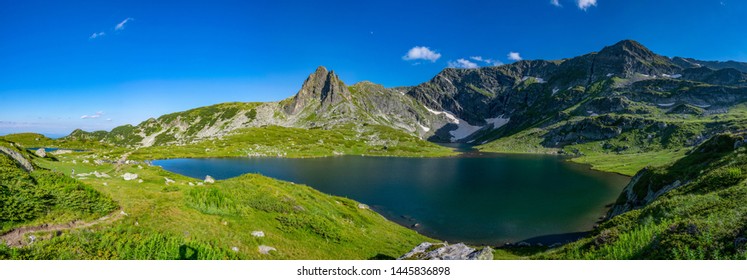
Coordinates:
[96,35]
[494,62]
[488,61]
[121,25]
[585,4]
[514,56]
[94,116]
[423,53]
[462,63]
[555,3]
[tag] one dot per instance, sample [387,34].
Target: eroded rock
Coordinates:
[444,251]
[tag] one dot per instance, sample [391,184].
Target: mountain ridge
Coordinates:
[456,105]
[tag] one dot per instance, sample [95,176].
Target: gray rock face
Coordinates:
[444,251]
[322,87]
[477,94]
[23,162]
[41,153]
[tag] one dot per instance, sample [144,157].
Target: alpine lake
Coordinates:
[476,198]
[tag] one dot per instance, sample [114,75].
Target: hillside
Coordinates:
[161,215]
[690,209]
[33,196]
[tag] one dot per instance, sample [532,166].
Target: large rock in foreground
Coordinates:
[41,153]
[444,251]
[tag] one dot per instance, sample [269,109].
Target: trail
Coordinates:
[15,238]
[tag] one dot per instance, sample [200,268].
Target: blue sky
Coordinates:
[99,64]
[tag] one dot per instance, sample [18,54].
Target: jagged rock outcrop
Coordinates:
[444,251]
[322,89]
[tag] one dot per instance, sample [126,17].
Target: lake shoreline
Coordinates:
[400,171]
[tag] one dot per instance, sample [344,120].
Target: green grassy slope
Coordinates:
[215,221]
[705,218]
[43,196]
[274,141]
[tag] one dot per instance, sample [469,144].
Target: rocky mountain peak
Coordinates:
[321,87]
[628,58]
[629,47]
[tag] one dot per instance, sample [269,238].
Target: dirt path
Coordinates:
[15,238]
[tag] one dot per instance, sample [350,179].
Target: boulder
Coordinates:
[209,179]
[41,153]
[129,176]
[485,254]
[258,233]
[444,251]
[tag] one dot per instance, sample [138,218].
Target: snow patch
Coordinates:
[497,122]
[673,76]
[555,90]
[539,80]
[610,74]
[665,104]
[702,106]
[463,130]
[425,128]
[450,116]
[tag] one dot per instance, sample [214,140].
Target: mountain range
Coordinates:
[595,96]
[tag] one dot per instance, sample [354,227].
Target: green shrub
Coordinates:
[210,200]
[312,224]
